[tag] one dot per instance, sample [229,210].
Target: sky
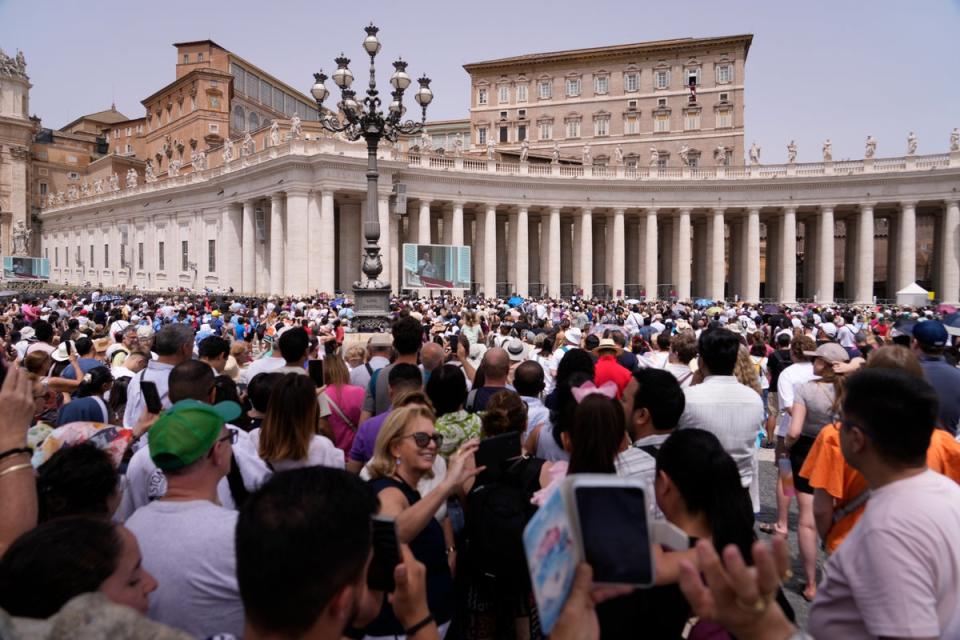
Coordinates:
[816,69]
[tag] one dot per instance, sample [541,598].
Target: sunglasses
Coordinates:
[231,436]
[422,439]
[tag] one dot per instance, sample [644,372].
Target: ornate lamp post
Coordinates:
[364,119]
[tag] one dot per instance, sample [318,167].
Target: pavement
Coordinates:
[793,588]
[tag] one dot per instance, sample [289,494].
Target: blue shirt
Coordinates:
[945,379]
[85,365]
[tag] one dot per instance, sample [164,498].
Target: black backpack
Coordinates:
[497,510]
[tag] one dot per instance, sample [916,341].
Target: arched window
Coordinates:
[253,121]
[239,118]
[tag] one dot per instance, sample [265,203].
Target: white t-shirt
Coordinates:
[898,572]
[787,384]
[188,546]
[263,365]
[322,453]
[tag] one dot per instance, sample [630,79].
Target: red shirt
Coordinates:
[607,368]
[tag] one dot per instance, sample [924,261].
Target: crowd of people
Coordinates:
[209,466]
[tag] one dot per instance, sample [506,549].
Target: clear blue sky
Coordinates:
[817,69]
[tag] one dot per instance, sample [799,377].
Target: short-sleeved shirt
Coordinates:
[361,450]
[189,547]
[818,399]
[378,401]
[456,428]
[946,381]
[899,574]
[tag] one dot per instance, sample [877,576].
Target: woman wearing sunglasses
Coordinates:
[406,448]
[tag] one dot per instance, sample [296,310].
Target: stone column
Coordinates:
[575,229]
[349,245]
[752,290]
[772,290]
[233,225]
[447,217]
[825,255]
[865,254]
[520,237]
[298,248]
[490,251]
[586,252]
[503,251]
[619,238]
[717,264]
[423,233]
[249,249]
[507,234]
[683,255]
[456,224]
[907,247]
[788,254]
[535,262]
[950,254]
[276,244]
[650,275]
[701,257]
[553,247]
[850,245]
[811,235]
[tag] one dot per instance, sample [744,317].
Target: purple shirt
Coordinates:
[362,448]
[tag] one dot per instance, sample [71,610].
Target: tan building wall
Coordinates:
[635,96]
[127,138]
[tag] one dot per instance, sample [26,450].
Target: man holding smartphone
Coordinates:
[173,344]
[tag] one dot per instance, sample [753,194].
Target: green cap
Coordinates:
[185,432]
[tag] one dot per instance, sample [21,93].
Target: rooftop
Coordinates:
[107,116]
[612,50]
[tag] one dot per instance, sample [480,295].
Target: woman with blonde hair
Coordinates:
[289,436]
[343,401]
[745,371]
[471,327]
[406,448]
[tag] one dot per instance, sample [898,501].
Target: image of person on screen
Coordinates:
[425,267]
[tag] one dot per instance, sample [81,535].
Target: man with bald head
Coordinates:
[495,366]
[431,357]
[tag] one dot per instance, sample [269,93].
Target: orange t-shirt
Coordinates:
[826,469]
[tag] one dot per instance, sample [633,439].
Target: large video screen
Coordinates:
[18,268]
[436,266]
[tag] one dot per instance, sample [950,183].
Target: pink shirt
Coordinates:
[349,399]
[898,572]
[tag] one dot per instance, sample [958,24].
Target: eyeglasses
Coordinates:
[231,436]
[422,439]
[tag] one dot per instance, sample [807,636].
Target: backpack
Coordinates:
[497,512]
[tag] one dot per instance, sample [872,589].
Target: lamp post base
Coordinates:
[371,309]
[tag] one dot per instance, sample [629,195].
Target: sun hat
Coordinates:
[60,354]
[515,349]
[829,351]
[185,432]
[573,336]
[607,344]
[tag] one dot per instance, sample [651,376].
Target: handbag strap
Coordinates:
[339,411]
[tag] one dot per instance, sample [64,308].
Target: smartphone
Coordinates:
[386,555]
[315,370]
[151,396]
[492,452]
[611,515]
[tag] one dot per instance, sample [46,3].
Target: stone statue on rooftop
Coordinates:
[911,144]
[955,140]
[827,150]
[114,182]
[131,181]
[685,155]
[274,133]
[227,150]
[98,186]
[524,150]
[490,150]
[871,148]
[754,153]
[618,154]
[72,193]
[458,145]
[555,154]
[587,155]
[84,190]
[21,239]
[296,129]
[792,152]
[654,157]
[173,169]
[249,146]
[148,175]
[722,155]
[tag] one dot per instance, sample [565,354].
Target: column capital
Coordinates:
[453,204]
[277,195]
[619,210]
[867,205]
[826,207]
[491,206]
[425,201]
[753,210]
[792,208]
[554,210]
[684,210]
[586,211]
[525,208]
[908,203]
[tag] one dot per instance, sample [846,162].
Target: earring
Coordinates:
[398,461]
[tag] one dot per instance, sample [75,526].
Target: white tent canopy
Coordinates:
[913,295]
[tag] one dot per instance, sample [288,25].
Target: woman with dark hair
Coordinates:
[78,480]
[344,401]
[225,390]
[117,403]
[598,435]
[88,404]
[48,566]
[447,390]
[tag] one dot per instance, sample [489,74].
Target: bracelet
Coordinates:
[451,549]
[13,452]
[16,467]
[420,625]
